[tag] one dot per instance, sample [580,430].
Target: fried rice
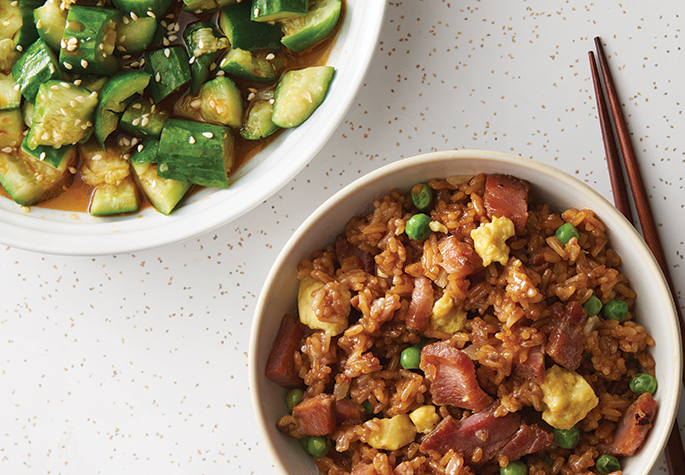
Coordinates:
[503,316]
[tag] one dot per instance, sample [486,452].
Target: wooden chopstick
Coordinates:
[675,458]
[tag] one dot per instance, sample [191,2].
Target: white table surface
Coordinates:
[137,363]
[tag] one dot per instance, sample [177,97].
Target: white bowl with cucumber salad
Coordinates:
[71,231]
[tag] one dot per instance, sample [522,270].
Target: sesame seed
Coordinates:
[72,41]
[88,123]
[209,135]
[135,122]
[271,101]
[137,105]
[221,72]
[145,121]
[42,156]
[67,65]
[14,3]
[173,38]
[51,67]
[54,87]
[153,108]
[97,156]
[77,121]
[126,56]
[163,23]
[212,104]
[72,103]
[252,89]
[121,48]
[191,139]
[65,85]
[165,41]
[72,170]
[126,156]
[153,184]
[77,82]
[150,14]
[270,56]
[64,113]
[84,127]
[80,99]
[126,141]
[158,77]
[20,48]
[57,136]
[45,136]
[6,23]
[39,24]
[140,147]
[167,53]
[196,104]
[135,64]
[250,96]
[142,62]
[16,87]
[134,17]
[40,177]
[191,60]
[256,12]
[63,43]
[126,20]
[170,26]
[122,38]
[7,149]
[201,44]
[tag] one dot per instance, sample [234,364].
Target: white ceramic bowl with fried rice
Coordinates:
[654,306]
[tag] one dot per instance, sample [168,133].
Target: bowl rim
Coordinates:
[602,204]
[78,234]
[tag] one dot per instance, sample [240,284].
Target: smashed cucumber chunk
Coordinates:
[205,43]
[169,69]
[258,123]
[143,119]
[89,40]
[195,152]
[11,128]
[50,155]
[304,32]
[61,115]
[108,199]
[299,93]
[134,33]
[277,10]
[222,102]
[37,65]
[163,193]
[29,180]
[243,33]
[50,21]
[251,66]
[10,19]
[113,100]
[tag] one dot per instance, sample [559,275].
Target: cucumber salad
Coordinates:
[140,100]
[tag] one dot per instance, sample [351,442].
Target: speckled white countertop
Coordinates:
[138,363]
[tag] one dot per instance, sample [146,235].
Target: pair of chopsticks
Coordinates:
[675,458]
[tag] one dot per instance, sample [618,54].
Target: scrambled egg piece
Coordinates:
[567,397]
[489,240]
[393,433]
[425,419]
[445,317]
[305,298]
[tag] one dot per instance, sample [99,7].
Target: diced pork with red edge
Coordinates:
[566,341]
[458,257]
[480,430]
[453,377]
[280,367]
[528,440]
[507,197]
[633,426]
[316,415]
[345,249]
[347,410]
[533,369]
[421,305]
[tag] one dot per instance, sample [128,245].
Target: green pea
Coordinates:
[418,227]
[565,232]
[318,446]
[643,383]
[368,408]
[567,439]
[514,468]
[615,309]
[293,398]
[592,306]
[410,357]
[606,464]
[303,443]
[421,197]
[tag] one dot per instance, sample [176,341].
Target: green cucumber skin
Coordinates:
[134,122]
[29,181]
[243,33]
[88,57]
[299,93]
[258,123]
[35,66]
[109,199]
[114,99]
[27,34]
[186,154]
[303,33]
[277,10]
[142,7]
[245,65]
[163,193]
[146,152]
[51,155]
[170,71]
[134,36]
[51,19]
